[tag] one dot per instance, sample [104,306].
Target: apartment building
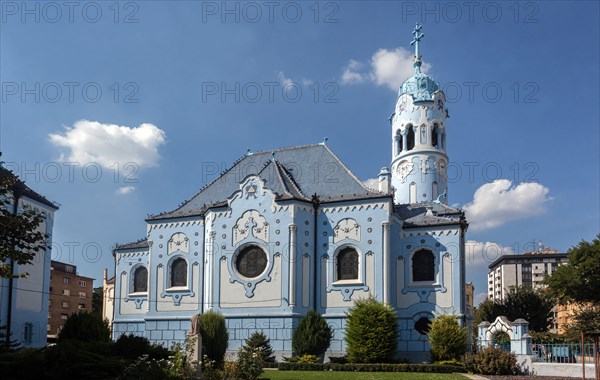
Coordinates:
[528,269]
[69,293]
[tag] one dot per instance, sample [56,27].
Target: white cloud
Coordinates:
[107,144]
[125,190]
[387,68]
[352,73]
[372,183]
[497,203]
[478,253]
[285,81]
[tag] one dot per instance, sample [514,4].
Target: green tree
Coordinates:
[85,326]
[259,341]
[447,339]
[97,300]
[578,282]
[521,302]
[586,323]
[20,239]
[532,305]
[485,311]
[371,332]
[579,279]
[312,336]
[215,338]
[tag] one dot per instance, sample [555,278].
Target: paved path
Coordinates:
[474,377]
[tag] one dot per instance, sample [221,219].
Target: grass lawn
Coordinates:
[333,375]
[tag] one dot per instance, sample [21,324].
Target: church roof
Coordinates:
[428,214]
[292,173]
[140,244]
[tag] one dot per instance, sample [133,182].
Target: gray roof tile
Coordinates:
[292,173]
[428,214]
[140,244]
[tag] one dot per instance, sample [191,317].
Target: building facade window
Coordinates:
[82,295]
[82,283]
[179,272]
[423,263]
[140,280]
[65,304]
[28,332]
[66,292]
[347,264]
[251,261]
[66,280]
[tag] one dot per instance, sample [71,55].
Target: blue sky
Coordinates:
[194,84]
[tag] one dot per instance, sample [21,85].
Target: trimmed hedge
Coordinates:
[376,367]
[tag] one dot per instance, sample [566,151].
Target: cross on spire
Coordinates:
[418,35]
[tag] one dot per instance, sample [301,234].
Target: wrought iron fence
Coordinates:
[551,352]
[562,352]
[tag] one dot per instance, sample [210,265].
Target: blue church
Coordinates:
[289,230]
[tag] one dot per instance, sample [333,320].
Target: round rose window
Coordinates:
[251,261]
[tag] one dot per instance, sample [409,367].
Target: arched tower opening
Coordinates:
[410,137]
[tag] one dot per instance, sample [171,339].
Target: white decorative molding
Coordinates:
[346,229]
[358,207]
[178,242]
[440,165]
[174,224]
[251,222]
[404,169]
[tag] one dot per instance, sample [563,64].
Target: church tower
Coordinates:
[419,159]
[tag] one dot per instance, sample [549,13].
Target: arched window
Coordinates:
[410,138]
[398,143]
[423,266]
[434,136]
[140,280]
[347,264]
[179,272]
[444,140]
[434,190]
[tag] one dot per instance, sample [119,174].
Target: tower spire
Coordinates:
[417,38]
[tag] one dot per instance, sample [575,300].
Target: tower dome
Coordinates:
[420,86]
